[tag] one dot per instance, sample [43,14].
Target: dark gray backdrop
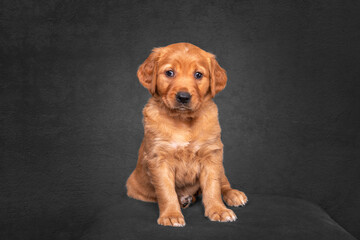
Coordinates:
[70,122]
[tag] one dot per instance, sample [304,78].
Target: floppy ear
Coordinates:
[218,77]
[148,70]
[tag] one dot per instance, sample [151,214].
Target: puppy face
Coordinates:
[182,75]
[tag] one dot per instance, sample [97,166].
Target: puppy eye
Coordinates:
[198,75]
[170,73]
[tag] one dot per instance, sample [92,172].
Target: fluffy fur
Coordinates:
[181,154]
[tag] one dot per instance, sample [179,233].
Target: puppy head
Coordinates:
[182,75]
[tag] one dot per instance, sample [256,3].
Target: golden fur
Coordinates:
[181,154]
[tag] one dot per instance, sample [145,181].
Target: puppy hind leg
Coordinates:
[232,197]
[144,192]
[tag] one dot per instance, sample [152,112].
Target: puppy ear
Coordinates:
[148,70]
[218,77]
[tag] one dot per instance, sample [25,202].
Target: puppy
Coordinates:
[181,154]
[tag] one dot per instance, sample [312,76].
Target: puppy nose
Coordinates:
[183,97]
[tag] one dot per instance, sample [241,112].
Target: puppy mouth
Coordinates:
[183,108]
[179,107]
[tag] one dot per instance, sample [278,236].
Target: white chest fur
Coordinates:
[176,144]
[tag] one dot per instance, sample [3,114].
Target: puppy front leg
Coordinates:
[163,180]
[210,183]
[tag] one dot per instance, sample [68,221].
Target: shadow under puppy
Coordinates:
[181,154]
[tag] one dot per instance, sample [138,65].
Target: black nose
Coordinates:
[183,97]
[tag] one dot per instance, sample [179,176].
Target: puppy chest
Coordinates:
[186,164]
[186,174]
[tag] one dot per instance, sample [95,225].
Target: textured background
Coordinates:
[70,102]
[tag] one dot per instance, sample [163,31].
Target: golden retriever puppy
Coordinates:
[181,154]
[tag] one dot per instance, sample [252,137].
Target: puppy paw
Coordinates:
[220,214]
[235,198]
[185,201]
[173,219]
